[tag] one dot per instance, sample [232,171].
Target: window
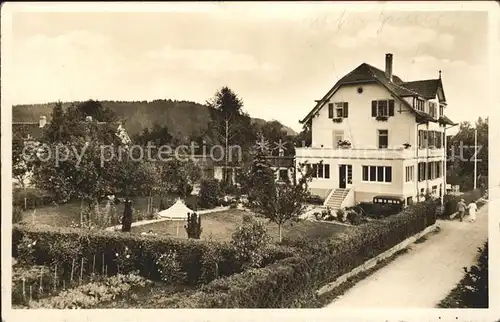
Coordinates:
[422,171]
[338,135]
[441,110]
[383,108]
[409,173]
[383,139]
[283,174]
[423,139]
[409,201]
[432,142]
[432,109]
[321,170]
[429,170]
[419,104]
[342,109]
[438,169]
[373,173]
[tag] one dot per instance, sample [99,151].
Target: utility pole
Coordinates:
[475,158]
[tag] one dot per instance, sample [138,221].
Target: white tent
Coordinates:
[178,211]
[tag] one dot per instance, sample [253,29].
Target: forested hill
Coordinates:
[183,118]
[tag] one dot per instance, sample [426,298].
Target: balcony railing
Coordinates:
[366,153]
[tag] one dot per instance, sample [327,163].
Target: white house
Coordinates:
[375,134]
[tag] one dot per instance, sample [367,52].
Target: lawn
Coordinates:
[64,214]
[219,226]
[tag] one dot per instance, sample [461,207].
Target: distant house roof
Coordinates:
[281,162]
[33,131]
[366,73]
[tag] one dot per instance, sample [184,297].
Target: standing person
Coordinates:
[472,211]
[461,209]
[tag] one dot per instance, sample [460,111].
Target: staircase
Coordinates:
[336,198]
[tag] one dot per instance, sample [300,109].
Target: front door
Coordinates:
[345,176]
[342,176]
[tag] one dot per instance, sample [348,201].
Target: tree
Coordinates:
[181,175]
[279,202]
[229,125]
[97,111]
[260,180]
[78,172]
[21,164]
[461,155]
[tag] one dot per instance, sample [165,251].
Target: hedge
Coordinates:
[279,285]
[68,246]
[34,198]
[450,201]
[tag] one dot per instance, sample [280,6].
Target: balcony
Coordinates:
[358,153]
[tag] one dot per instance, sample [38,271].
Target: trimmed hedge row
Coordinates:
[318,263]
[450,201]
[200,261]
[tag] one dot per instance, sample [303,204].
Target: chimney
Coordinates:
[388,66]
[43,121]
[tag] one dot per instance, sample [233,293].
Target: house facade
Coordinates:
[374,134]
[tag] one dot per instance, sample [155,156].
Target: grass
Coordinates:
[220,226]
[64,215]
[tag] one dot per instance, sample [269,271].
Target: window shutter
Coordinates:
[419,172]
[346,110]
[327,171]
[330,110]
[374,108]
[391,107]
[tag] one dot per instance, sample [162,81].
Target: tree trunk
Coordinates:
[81,211]
[25,199]
[279,232]
[226,152]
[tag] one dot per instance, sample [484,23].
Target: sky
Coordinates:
[278,58]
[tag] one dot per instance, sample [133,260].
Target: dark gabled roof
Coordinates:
[445,120]
[427,88]
[365,73]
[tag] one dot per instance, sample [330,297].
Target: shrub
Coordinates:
[354,218]
[315,264]
[250,241]
[67,246]
[341,215]
[315,200]
[318,216]
[450,201]
[89,295]
[233,204]
[17,214]
[376,210]
[472,291]
[193,227]
[210,193]
[170,267]
[34,198]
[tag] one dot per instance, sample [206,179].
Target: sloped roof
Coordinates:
[365,73]
[445,120]
[426,88]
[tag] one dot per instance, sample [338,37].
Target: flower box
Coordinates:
[344,144]
[337,120]
[382,118]
[406,145]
